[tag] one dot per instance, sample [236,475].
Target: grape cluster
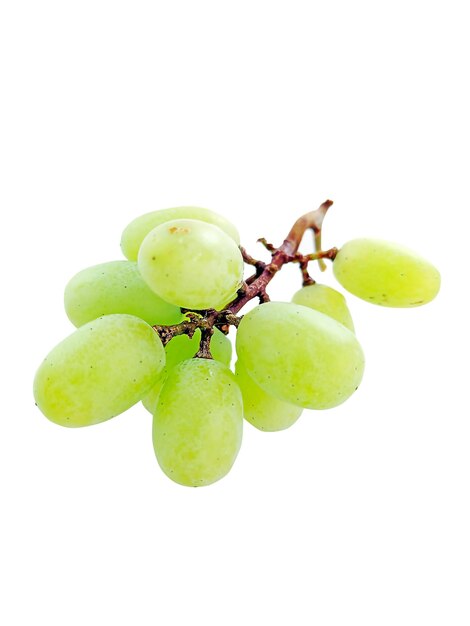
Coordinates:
[153,328]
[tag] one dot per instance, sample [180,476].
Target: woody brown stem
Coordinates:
[255,285]
[204,351]
[306,278]
[282,255]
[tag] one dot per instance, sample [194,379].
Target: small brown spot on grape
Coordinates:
[178,229]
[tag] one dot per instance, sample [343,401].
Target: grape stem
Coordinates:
[255,285]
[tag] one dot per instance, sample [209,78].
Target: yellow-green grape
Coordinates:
[386,273]
[191,264]
[262,409]
[300,355]
[181,348]
[197,427]
[326,300]
[99,371]
[115,287]
[138,229]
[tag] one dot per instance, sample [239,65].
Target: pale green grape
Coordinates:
[115,287]
[138,229]
[300,355]
[191,264]
[100,370]
[181,348]
[386,273]
[262,409]
[326,300]
[197,427]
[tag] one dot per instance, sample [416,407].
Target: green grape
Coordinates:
[115,287]
[181,348]
[197,427]
[327,301]
[191,264]
[138,229]
[262,409]
[100,370]
[300,355]
[386,273]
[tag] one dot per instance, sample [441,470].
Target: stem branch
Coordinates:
[255,285]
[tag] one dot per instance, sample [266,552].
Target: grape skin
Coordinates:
[191,264]
[261,409]
[115,287]
[99,371]
[181,348]
[197,427]
[138,229]
[386,273]
[326,300]
[300,355]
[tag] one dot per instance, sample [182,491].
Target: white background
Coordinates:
[259,110]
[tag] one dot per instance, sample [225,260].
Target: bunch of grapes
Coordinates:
[153,328]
